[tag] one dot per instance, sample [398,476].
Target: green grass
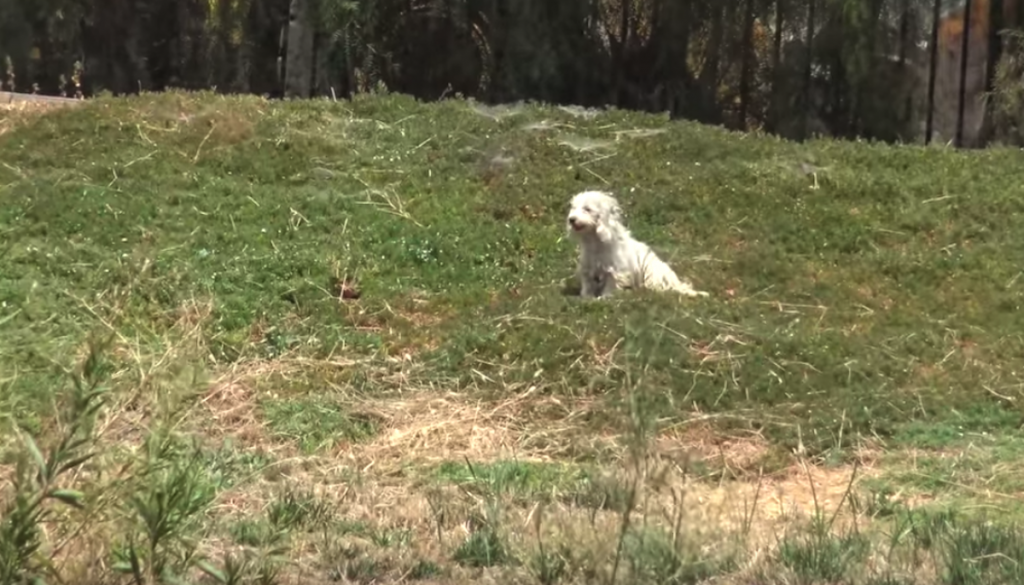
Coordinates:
[863,297]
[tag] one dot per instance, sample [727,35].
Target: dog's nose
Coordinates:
[572,221]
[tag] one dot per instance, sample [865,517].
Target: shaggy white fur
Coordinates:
[610,258]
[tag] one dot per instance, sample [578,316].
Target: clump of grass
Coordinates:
[482,548]
[521,480]
[316,424]
[822,556]
[655,557]
[291,511]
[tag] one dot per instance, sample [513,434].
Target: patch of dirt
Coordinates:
[417,313]
[431,427]
[702,442]
[230,410]
[809,488]
[793,493]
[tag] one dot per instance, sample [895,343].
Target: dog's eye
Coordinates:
[586,209]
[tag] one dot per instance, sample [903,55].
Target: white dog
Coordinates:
[609,256]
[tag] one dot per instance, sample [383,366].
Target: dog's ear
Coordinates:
[609,219]
[610,211]
[614,211]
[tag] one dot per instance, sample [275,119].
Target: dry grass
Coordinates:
[390,491]
[21,111]
[387,485]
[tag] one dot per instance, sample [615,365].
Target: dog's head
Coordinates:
[594,213]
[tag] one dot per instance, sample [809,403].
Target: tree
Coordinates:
[298,80]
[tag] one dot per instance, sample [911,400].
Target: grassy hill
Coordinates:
[339,340]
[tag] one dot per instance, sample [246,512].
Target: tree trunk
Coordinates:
[805,119]
[995,50]
[621,55]
[298,73]
[708,75]
[746,64]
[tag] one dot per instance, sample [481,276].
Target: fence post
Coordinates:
[933,47]
[962,97]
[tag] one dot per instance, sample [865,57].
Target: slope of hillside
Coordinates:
[363,313]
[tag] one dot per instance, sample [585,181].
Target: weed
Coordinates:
[298,510]
[38,477]
[823,556]
[655,558]
[424,570]
[249,567]
[482,548]
[174,489]
[977,552]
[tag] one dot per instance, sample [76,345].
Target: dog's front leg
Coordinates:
[602,283]
[589,287]
[594,284]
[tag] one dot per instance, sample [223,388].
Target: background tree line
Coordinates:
[846,68]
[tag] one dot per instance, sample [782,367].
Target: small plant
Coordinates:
[482,548]
[424,570]
[390,538]
[174,489]
[298,509]
[983,553]
[268,538]
[655,558]
[363,570]
[36,483]
[817,553]
[253,532]
[233,570]
[251,567]
[549,567]
[821,556]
